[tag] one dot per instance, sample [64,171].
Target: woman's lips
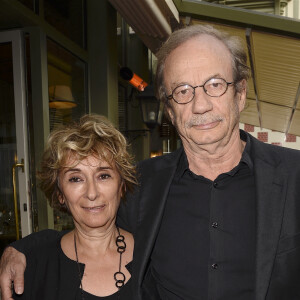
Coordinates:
[95,208]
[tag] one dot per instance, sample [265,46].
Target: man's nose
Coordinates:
[92,190]
[202,103]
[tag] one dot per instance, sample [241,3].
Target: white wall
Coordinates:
[292,10]
[272,137]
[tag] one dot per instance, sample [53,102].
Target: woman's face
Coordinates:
[92,191]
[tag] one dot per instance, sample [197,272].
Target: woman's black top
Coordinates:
[50,274]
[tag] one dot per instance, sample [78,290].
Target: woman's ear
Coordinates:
[61,199]
[123,189]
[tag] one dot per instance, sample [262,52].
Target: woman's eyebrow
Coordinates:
[72,170]
[79,170]
[104,168]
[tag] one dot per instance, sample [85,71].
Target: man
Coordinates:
[217,219]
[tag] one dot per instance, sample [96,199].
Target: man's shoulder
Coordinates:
[164,161]
[273,153]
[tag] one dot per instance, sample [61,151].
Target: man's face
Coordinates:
[205,120]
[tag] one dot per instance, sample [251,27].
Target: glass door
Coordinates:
[15,208]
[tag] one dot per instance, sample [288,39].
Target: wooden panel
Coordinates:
[249,115]
[295,125]
[275,117]
[277,61]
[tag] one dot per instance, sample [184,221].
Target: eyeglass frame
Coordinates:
[194,87]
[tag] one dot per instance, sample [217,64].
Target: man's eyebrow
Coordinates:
[176,84]
[217,75]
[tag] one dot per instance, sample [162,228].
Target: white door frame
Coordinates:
[17,40]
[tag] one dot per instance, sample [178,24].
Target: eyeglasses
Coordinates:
[213,87]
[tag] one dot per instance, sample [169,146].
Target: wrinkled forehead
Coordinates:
[202,45]
[202,56]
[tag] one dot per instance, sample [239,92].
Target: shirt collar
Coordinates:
[246,156]
[183,164]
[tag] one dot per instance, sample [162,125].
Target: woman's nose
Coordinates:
[92,190]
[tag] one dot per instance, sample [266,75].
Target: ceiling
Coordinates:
[273,99]
[152,20]
[266,6]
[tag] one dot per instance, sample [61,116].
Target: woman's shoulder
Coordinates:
[36,239]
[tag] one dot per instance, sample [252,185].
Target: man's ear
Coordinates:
[242,95]
[170,113]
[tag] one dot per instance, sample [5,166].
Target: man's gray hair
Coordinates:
[178,37]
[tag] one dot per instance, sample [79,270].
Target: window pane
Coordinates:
[29,3]
[67,98]
[66,80]
[8,151]
[67,17]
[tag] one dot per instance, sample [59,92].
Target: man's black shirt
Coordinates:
[205,248]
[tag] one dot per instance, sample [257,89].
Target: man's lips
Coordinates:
[207,125]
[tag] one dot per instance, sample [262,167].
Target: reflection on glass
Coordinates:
[31,143]
[67,17]
[29,3]
[8,151]
[67,98]
[66,76]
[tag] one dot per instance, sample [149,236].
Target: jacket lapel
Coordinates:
[270,203]
[156,182]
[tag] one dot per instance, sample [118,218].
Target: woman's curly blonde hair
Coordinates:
[92,135]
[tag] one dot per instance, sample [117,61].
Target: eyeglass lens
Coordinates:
[214,87]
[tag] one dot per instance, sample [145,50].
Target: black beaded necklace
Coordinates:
[119,276]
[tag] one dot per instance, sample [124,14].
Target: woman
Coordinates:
[85,171]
